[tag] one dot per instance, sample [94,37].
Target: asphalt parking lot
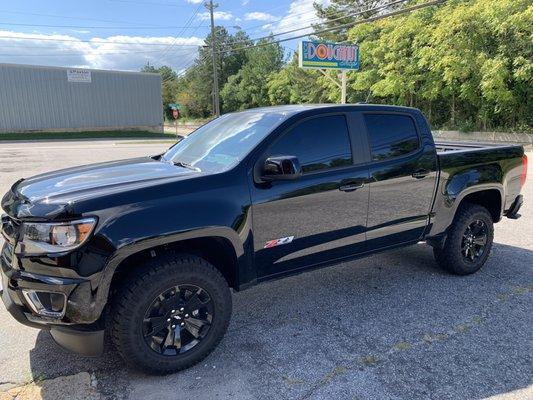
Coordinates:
[390,326]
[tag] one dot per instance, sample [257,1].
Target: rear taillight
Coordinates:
[524,170]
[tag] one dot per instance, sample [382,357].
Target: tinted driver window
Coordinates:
[390,135]
[319,143]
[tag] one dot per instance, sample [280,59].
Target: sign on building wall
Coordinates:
[79,75]
[319,55]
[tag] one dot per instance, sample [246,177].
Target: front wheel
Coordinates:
[171,314]
[469,241]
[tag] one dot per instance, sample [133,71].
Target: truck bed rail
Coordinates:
[465,146]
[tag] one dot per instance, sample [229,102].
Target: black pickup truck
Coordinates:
[147,249]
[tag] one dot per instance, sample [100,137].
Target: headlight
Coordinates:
[44,238]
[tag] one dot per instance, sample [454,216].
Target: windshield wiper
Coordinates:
[185,165]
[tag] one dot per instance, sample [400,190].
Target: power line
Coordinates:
[370,19]
[348,25]
[184,66]
[194,55]
[248,28]
[146,2]
[92,41]
[68,54]
[63,54]
[95,27]
[311,26]
[194,31]
[290,16]
[284,6]
[354,23]
[197,27]
[69,17]
[312,20]
[187,23]
[277,7]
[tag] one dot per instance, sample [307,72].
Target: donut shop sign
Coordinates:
[319,55]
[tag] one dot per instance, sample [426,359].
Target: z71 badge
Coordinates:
[278,242]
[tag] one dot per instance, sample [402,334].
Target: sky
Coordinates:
[127,34]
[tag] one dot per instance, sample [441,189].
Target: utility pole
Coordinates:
[216,103]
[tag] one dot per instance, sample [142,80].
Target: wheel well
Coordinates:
[216,250]
[491,199]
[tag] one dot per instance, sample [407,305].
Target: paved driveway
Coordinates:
[391,326]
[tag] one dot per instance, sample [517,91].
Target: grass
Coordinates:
[86,135]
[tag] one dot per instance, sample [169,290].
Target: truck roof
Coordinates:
[289,110]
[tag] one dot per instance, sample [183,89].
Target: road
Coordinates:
[390,326]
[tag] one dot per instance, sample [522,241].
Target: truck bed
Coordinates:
[461,154]
[473,162]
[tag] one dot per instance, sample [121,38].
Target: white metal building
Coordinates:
[35,98]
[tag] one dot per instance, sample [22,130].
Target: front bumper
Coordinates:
[86,339]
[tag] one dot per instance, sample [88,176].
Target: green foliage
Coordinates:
[294,85]
[342,12]
[248,87]
[195,90]
[468,64]
[169,85]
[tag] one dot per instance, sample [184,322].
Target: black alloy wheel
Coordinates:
[170,313]
[468,242]
[474,241]
[178,319]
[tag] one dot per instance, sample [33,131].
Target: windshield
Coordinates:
[222,143]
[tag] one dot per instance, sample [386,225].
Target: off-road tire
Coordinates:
[141,288]
[450,256]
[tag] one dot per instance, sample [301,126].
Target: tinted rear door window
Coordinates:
[319,143]
[391,135]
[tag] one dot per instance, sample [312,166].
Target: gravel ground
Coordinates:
[390,326]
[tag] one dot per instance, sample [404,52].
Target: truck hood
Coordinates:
[66,186]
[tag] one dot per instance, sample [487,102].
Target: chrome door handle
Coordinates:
[351,187]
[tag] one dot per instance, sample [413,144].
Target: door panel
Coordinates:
[322,215]
[402,185]
[399,203]
[324,222]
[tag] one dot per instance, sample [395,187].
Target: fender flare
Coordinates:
[101,282]
[443,216]
[480,188]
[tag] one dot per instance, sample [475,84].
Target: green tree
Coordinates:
[342,12]
[467,64]
[480,50]
[196,85]
[248,87]
[168,85]
[294,85]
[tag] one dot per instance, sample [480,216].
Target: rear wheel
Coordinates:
[469,241]
[171,314]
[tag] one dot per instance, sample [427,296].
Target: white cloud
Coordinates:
[300,15]
[245,2]
[219,15]
[194,1]
[104,53]
[259,16]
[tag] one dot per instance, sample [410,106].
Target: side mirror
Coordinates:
[281,168]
